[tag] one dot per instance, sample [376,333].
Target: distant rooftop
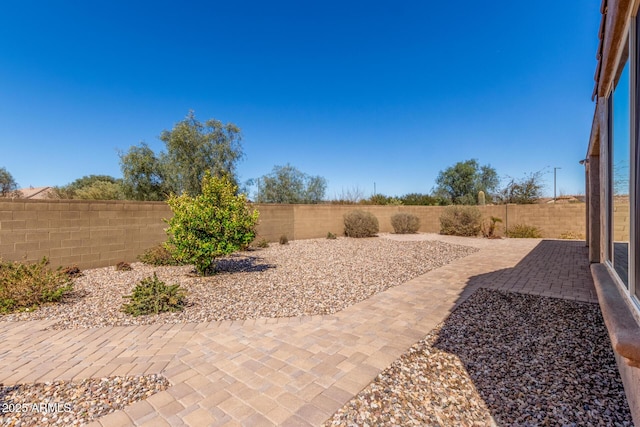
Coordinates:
[35,192]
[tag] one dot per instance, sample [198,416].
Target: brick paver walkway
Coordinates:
[295,371]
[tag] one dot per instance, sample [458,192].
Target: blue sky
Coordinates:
[355,91]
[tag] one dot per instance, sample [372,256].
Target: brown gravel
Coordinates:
[500,358]
[304,277]
[63,403]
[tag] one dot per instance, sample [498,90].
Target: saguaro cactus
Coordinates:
[481,199]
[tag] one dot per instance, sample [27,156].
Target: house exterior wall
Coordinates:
[610,220]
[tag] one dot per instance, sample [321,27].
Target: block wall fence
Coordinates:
[102,233]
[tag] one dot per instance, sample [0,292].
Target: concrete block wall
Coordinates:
[77,232]
[101,233]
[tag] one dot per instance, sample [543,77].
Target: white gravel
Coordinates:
[304,277]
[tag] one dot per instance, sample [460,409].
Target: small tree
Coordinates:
[523,191]
[8,185]
[213,224]
[91,187]
[142,174]
[460,183]
[286,184]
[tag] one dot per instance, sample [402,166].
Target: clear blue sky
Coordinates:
[358,92]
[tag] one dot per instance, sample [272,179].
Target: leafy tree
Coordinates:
[286,184]
[142,174]
[101,190]
[214,223]
[526,190]
[8,185]
[92,187]
[460,183]
[192,148]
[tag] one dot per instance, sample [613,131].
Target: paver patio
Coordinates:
[289,371]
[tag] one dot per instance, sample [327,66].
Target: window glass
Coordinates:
[620,177]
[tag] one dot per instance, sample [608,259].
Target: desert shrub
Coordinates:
[405,223]
[488,227]
[263,243]
[28,285]
[360,224]
[158,255]
[522,231]
[460,221]
[72,271]
[153,296]
[284,239]
[210,225]
[123,266]
[331,236]
[572,235]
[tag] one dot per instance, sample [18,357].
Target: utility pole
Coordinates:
[554,184]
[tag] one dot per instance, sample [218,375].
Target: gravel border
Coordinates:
[500,358]
[302,278]
[63,403]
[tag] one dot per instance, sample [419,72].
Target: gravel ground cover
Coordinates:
[63,403]
[500,358]
[304,277]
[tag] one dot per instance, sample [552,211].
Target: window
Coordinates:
[619,151]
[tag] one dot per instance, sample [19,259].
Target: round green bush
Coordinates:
[405,223]
[360,224]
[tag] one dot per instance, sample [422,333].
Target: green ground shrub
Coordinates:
[461,221]
[331,236]
[522,231]
[360,224]
[25,286]
[153,296]
[284,239]
[158,256]
[405,223]
[213,224]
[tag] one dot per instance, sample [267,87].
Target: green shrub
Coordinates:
[417,199]
[460,221]
[331,236]
[153,296]
[381,199]
[123,266]
[405,223]
[360,224]
[158,255]
[28,285]
[522,231]
[213,224]
[284,239]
